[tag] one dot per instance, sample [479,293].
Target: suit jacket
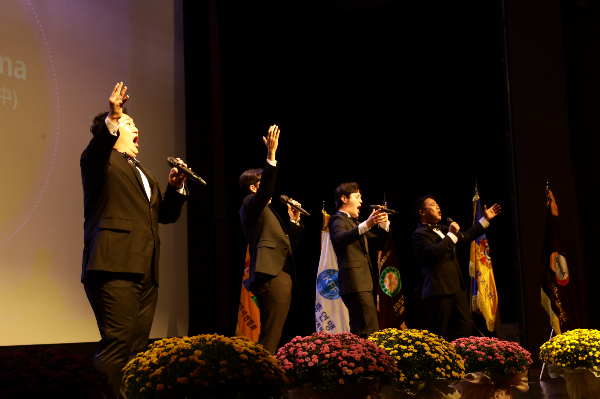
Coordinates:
[121,224]
[438,261]
[270,242]
[352,251]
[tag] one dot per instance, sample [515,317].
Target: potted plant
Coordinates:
[51,373]
[204,366]
[338,365]
[493,367]
[427,363]
[575,356]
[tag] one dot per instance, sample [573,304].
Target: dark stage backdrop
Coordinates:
[404,98]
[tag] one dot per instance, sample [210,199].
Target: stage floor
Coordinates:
[547,388]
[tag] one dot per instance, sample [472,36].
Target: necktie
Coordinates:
[355,220]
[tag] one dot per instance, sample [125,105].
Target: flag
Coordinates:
[248,324]
[331,315]
[390,290]
[555,273]
[484,297]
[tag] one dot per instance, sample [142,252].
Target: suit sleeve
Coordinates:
[427,250]
[295,232]
[378,241]
[96,158]
[341,233]
[171,204]
[255,205]
[473,233]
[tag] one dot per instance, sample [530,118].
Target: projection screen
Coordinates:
[59,61]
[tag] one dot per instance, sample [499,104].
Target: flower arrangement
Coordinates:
[420,356]
[492,355]
[573,349]
[329,361]
[51,373]
[204,366]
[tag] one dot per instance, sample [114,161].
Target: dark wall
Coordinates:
[582,63]
[405,99]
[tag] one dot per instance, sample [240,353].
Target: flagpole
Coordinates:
[551,331]
[544,365]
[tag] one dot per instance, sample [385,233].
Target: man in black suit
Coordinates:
[352,242]
[444,290]
[272,269]
[123,205]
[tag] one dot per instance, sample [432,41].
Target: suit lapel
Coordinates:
[136,174]
[150,183]
[362,239]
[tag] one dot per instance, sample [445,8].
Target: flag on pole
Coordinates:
[331,315]
[484,297]
[390,290]
[555,273]
[248,324]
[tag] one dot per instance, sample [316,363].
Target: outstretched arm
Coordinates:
[97,156]
[264,191]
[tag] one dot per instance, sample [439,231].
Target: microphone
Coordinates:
[172,162]
[286,200]
[382,209]
[459,233]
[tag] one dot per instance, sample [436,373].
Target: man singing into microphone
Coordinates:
[123,205]
[272,269]
[352,242]
[444,290]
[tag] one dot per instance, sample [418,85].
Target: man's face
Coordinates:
[431,213]
[128,139]
[352,204]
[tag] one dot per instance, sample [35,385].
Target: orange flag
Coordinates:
[248,324]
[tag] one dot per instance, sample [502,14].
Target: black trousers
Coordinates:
[362,310]
[449,316]
[124,306]
[274,298]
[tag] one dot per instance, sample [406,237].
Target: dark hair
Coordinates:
[99,119]
[251,177]
[344,189]
[418,204]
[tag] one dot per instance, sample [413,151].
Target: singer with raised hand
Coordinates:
[353,242]
[444,289]
[123,205]
[271,244]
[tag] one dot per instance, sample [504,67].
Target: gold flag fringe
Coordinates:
[553,318]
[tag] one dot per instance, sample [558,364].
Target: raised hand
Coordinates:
[176,178]
[293,212]
[272,141]
[116,101]
[376,217]
[491,213]
[454,228]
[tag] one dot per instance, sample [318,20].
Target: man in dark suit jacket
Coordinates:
[123,205]
[352,242]
[444,290]
[272,269]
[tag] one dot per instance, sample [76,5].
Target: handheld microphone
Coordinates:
[386,210]
[172,162]
[286,200]
[459,233]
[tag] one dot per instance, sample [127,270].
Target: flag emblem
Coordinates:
[390,281]
[558,263]
[484,253]
[327,284]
